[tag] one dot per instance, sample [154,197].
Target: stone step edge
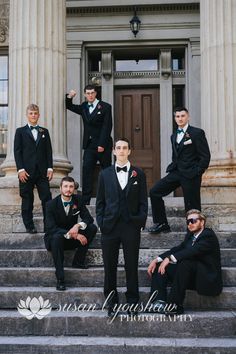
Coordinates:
[94,341]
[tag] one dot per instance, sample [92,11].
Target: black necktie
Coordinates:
[34,127]
[67,203]
[180,131]
[118,169]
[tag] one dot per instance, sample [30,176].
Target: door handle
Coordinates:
[137,129]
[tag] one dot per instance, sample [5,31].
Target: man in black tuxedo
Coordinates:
[121,210]
[194,264]
[97,141]
[33,156]
[190,158]
[64,232]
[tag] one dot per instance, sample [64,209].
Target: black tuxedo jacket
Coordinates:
[29,153]
[206,253]
[192,156]
[97,125]
[107,203]
[57,222]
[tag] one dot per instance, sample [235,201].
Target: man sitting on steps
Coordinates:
[194,264]
[64,232]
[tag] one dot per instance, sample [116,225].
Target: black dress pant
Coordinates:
[166,185]
[181,275]
[90,158]
[127,235]
[27,195]
[58,244]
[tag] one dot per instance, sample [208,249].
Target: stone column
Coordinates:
[218,97]
[166,112]
[37,74]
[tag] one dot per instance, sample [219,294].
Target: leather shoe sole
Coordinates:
[156,229]
[61,285]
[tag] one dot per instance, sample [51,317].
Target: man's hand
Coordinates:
[83,240]
[23,176]
[100,149]
[73,232]
[71,94]
[163,265]
[152,267]
[49,175]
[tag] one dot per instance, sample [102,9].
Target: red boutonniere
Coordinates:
[134,174]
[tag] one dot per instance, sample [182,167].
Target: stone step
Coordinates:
[205,324]
[163,240]
[118,345]
[93,296]
[94,276]
[43,258]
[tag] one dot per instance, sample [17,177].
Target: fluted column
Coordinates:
[37,74]
[218,95]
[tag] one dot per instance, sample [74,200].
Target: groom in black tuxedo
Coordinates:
[33,156]
[121,211]
[65,232]
[97,141]
[190,158]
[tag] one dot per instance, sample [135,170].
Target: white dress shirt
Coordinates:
[122,175]
[181,135]
[94,103]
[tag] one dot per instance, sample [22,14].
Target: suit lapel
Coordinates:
[130,179]
[114,179]
[28,132]
[174,137]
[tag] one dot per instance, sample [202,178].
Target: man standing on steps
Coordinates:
[97,141]
[64,232]
[121,210]
[190,158]
[194,264]
[33,156]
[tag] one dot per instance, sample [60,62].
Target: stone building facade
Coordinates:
[183,54]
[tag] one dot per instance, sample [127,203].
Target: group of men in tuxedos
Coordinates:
[121,206]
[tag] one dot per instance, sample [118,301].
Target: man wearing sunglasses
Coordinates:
[194,264]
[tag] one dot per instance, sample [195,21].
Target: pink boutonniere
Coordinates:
[99,106]
[74,206]
[187,136]
[134,174]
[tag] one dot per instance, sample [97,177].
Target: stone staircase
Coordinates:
[26,270]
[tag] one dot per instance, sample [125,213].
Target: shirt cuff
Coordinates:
[82,225]
[159,259]
[173,259]
[50,169]
[21,170]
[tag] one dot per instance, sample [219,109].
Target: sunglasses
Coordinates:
[192,220]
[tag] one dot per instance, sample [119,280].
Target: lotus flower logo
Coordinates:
[34,307]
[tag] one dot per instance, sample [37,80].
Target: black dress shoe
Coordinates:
[80,265]
[173,309]
[61,285]
[132,312]
[111,312]
[157,228]
[158,306]
[31,230]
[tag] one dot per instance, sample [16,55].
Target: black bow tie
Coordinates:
[180,131]
[34,127]
[90,105]
[67,203]
[118,169]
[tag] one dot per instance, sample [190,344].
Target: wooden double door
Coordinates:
[137,117]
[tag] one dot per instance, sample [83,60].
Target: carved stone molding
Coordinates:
[107,65]
[4,22]
[165,60]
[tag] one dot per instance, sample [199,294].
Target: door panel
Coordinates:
[137,118]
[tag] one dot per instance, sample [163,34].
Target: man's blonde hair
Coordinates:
[32,107]
[198,212]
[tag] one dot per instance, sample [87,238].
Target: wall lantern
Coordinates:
[135,23]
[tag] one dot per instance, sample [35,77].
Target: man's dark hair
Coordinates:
[122,139]
[67,179]
[90,87]
[179,109]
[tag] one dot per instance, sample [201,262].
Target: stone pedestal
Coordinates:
[37,74]
[218,95]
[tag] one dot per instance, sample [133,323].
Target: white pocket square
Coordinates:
[99,112]
[187,142]
[135,182]
[76,213]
